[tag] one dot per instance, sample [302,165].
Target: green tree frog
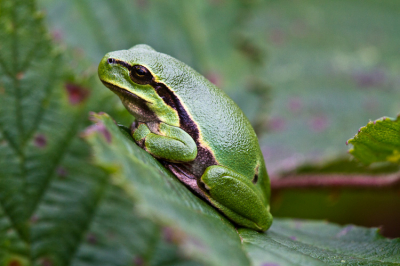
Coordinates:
[194,129]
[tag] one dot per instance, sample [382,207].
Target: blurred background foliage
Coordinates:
[308,74]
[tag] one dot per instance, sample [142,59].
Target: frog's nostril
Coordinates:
[111,60]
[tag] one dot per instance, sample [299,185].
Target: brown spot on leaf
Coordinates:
[14,262]
[277,124]
[76,93]
[318,123]
[57,35]
[40,140]
[171,235]
[61,172]
[277,37]
[249,49]
[138,261]
[98,127]
[295,105]
[92,116]
[20,75]
[46,262]
[168,234]
[369,79]
[344,231]
[91,238]
[33,219]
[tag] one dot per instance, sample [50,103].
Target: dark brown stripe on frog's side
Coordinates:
[204,157]
[169,98]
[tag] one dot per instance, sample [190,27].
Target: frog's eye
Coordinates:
[141,70]
[111,60]
[140,74]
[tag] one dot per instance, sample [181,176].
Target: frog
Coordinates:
[194,129]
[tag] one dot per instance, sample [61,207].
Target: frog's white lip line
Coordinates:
[115,88]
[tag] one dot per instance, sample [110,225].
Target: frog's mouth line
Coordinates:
[124,92]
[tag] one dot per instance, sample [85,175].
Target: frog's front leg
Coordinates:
[164,141]
[236,197]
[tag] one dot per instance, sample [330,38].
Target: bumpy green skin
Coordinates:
[202,137]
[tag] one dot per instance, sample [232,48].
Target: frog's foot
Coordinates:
[236,197]
[164,142]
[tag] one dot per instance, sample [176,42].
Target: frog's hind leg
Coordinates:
[236,197]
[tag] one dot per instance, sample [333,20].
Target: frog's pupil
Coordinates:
[140,70]
[111,60]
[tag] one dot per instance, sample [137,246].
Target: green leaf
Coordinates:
[56,208]
[378,141]
[291,242]
[202,231]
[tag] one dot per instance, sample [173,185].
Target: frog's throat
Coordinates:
[136,105]
[123,92]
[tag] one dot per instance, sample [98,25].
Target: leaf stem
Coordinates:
[336,180]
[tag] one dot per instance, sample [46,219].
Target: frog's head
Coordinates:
[139,76]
